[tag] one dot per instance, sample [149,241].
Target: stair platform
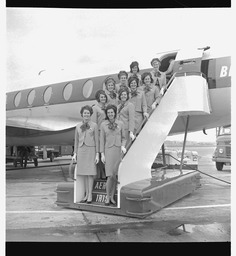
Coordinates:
[137,199]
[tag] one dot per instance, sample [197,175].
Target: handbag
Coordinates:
[72,170]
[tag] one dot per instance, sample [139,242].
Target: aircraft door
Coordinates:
[188,60]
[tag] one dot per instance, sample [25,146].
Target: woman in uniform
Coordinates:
[137,97]
[98,117]
[112,144]
[159,78]
[126,114]
[110,90]
[134,71]
[151,92]
[123,76]
[86,150]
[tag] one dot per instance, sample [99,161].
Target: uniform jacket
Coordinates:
[98,115]
[126,115]
[110,138]
[88,137]
[119,86]
[139,102]
[161,79]
[151,95]
[111,100]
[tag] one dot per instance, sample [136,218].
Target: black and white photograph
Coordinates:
[118,125]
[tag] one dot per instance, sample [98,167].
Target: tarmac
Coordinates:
[32,215]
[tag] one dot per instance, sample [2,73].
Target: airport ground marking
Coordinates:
[199,206]
[171,208]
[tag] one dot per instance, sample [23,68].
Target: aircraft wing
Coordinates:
[55,123]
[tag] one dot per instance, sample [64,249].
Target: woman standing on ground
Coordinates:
[112,144]
[86,150]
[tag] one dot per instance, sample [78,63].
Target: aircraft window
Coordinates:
[47,94]
[88,88]
[17,99]
[67,91]
[31,97]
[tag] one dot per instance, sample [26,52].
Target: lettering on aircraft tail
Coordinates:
[225,71]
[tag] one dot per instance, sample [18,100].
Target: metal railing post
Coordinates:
[183,149]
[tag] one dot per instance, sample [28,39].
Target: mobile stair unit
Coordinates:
[140,194]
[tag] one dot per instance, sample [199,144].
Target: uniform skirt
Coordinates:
[127,137]
[86,161]
[113,158]
[138,119]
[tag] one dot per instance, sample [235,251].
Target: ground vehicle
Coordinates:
[55,151]
[51,153]
[173,158]
[222,154]
[21,155]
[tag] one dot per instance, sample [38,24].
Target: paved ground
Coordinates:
[31,214]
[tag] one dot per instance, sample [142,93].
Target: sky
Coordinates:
[89,42]
[81,43]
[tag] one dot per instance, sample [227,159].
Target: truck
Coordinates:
[222,153]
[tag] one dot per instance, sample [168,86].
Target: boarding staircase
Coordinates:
[138,194]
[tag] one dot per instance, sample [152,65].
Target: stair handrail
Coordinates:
[145,118]
[164,91]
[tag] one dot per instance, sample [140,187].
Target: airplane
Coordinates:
[198,97]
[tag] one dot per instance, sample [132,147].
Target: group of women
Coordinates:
[108,126]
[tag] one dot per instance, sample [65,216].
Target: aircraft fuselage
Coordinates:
[47,115]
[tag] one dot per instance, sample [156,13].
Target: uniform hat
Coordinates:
[109,78]
[121,73]
[133,64]
[155,59]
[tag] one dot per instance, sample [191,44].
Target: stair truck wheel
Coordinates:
[219,166]
[35,162]
[21,162]
[15,163]
[25,163]
[52,157]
